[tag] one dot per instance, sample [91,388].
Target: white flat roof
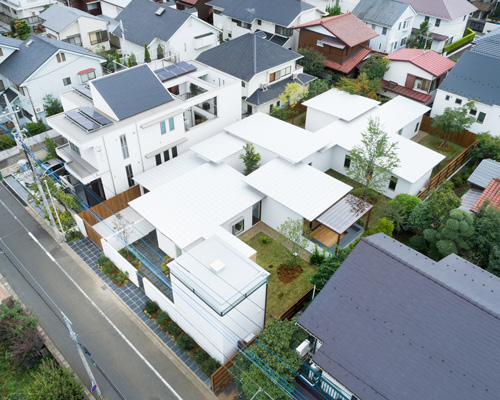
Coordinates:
[286,140]
[192,206]
[218,147]
[219,275]
[234,242]
[300,187]
[111,225]
[169,171]
[341,104]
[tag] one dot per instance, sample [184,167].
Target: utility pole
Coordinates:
[74,337]
[19,140]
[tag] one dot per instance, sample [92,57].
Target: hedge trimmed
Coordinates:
[468,37]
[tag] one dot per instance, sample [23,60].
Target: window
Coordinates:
[465,16]
[319,43]
[229,35]
[17,87]
[480,118]
[66,81]
[130,175]
[392,183]
[272,77]
[238,227]
[438,22]
[288,70]
[92,6]
[77,40]
[75,148]
[278,104]
[458,101]
[243,84]
[60,57]
[259,22]
[2,86]
[384,31]
[347,162]
[447,97]
[473,112]
[1,52]
[242,24]
[421,84]
[403,42]
[281,30]
[87,77]
[98,37]
[174,151]
[373,26]
[171,125]
[417,126]
[166,155]
[399,26]
[123,143]
[185,47]
[395,45]
[426,19]
[400,132]
[163,127]
[158,159]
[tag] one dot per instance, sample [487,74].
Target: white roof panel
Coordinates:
[398,112]
[234,242]
[286,140]
[300,187]
[194,205]
[341,104]
[168,171]
[218,147]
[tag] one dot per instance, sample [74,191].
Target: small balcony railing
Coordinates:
[320,383]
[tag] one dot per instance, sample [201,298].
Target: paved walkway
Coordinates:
[135,299]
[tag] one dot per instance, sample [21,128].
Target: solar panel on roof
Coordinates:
[83,90]
[173,71]
[79,119]
[95,116]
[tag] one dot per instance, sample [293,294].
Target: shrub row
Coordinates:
[468,37]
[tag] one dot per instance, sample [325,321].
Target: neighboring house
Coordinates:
[349,121]
[204,11]
[276,18]
[393,324]
[486,173]
[76,27]
[133,120]
[341,39]
[416,74]
[391,19]
[91,6]
[491,195]
[27,10]
[41,66]
[183,36]
[447,19]
[265,69]
[477,20]
[111,8]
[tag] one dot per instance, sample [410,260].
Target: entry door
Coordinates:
[256,211]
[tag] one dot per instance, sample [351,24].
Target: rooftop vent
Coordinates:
[29,42]
[217,265]
[160,11]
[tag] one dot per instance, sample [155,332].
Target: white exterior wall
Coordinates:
[410,130]
[274,213]
[321,161]
[154,294]
[135,231]
[167,245]
[246,215]
[82,27]
[398,71]
[7,51]
[120,262]
[315,119]
[394,35]
[110,10]
[491,120]
[25,8]
[454,29]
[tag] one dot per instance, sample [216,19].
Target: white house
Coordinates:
[276,18]
[447,19]
[126,123]
[111,8]
[25,9]
[76,27]
[391,19]
[265,69]
[182,36]
[416,74]
[42,66]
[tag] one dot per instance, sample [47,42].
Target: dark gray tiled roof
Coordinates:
[7,41]
[273,91]
[380,12]
[142,25]
[132,91]
[281,12]
[475,76]
[398,325]
[246,56]
[23,62]
[488,44]
[484,173]
[58,17]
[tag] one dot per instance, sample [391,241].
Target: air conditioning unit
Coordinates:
[264,86]
[39,109]
[295,75]
[303,348]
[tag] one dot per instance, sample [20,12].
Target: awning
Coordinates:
[343,214]
[86,71]
[165,148]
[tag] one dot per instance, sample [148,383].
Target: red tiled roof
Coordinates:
[491,193]
[347,27]
[191,2]
[86,71]
[428,60]
[404,91]
[351,62]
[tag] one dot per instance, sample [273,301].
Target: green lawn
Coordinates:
[377,210]
[280,296]
[451,150]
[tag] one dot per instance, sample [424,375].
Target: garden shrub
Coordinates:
[185,342]
[34,128]
[407,201]
[71,236]
[6,142]
[210,366]
[121,277]
[102,259]
[418,243]
[317,258]
[265,239]
[162,317]
[173,328]
[200,356]
[151,307]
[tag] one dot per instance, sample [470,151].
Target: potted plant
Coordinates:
[159,51]
[133,59]
[147,57]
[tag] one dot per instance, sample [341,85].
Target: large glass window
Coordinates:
[98,37]
[123,143]
[238,227]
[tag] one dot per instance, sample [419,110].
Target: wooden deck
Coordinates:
[326,236]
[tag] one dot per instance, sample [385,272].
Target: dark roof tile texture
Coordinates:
[380,12]
[484,173]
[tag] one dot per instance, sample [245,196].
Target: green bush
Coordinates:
[210,366]
[468,37]
[102,259]
[34,128]
[6,142]
[71,236]
[185,342]
[265,239]
[408,201]
[418,243]
[200,356]
[151,307]
[108,267]
[121,277]
[162,317]
[317,258]
[372,195]
[173,328]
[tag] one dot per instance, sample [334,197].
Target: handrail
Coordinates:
[320,383]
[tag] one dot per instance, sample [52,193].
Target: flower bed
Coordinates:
[130,257]
[109,269]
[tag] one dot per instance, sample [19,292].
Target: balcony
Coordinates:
[319,384]
[200,113]
[76,165]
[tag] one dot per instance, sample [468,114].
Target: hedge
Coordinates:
[468,37]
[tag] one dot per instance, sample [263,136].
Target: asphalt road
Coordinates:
[137,364]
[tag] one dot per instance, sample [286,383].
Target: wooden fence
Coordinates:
[106,209]
[297,306]
[464,139]
[455,164]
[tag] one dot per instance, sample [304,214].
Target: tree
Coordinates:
[488,147]
[494,261]
[376,67]
[129,63]
[383,226]
[400,208]
[333,10]
[282,113]
[250,158]
[312,61]
[50,145]
[255,365]
[328,267]
[117,58]
[373,161]
[422,38]
[22,28]
[292,94]
[454,120]
[147,56]
[486,234]
[52,105]
[52,382]
[317,87]
[294,238]
[361,86]
[453,235]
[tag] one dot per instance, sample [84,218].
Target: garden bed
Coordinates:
[109,269]
[450,151]
[206,363]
